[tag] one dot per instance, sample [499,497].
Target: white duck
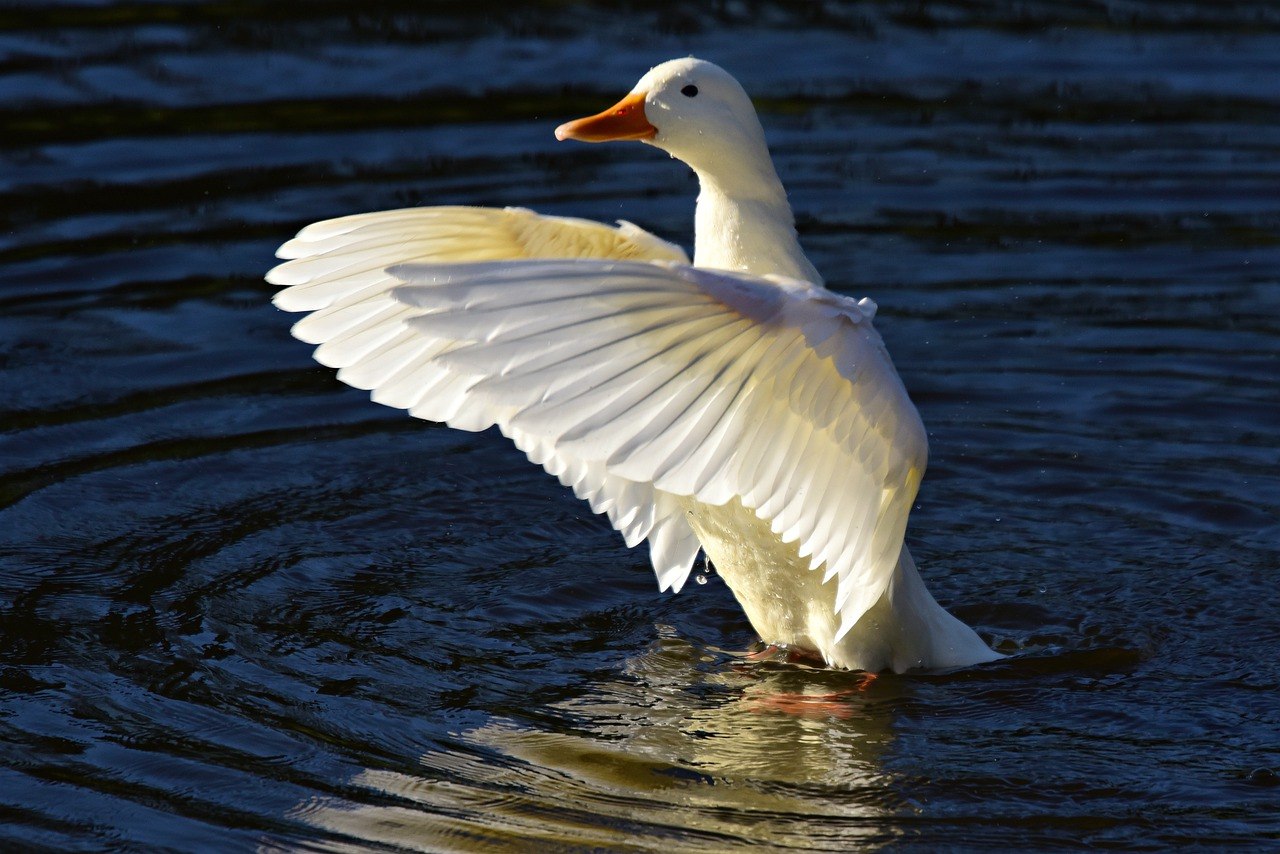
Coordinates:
[734,406]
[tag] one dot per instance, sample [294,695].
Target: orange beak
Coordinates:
[624,120]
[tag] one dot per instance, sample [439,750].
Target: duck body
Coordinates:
[788,604]
[733,406]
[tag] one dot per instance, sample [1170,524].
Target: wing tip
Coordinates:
[281,275]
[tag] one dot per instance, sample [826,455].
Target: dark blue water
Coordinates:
[241,607]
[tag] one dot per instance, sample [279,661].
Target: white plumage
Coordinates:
[746,410]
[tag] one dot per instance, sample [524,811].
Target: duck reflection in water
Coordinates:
[675,752]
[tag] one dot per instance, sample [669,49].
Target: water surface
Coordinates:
[241,607]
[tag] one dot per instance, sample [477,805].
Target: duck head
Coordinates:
[696,112]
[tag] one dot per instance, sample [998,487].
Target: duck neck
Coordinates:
[744,223]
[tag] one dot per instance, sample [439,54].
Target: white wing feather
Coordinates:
[632,377]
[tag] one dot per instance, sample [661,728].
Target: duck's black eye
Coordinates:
[689,91]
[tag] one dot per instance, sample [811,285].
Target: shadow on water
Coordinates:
[241,607]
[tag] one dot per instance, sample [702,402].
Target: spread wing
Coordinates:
[340,261]
[640,382]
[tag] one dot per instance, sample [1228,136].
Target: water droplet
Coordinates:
[1263,777]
